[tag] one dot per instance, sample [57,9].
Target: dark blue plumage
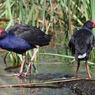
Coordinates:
[15,44]
[81,44]
[23,37]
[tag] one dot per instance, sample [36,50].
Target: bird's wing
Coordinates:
[90,43]
[29,33]
[72,44]
[23,31]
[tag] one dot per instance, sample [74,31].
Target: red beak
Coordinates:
[93,23]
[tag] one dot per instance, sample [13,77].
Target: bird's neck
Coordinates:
[90,30]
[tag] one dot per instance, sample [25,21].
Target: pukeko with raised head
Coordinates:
[22,37]
[81,44]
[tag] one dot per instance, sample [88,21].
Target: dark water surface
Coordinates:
[49,71]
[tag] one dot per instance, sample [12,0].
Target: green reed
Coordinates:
[59,18]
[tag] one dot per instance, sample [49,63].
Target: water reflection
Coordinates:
[46,72]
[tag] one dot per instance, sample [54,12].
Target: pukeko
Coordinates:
[22,37]
[81,44]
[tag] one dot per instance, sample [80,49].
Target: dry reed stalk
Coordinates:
[40,84]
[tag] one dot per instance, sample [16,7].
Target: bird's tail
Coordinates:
[81,52]
[42,41]
[80,56]
[48,37]
[46,40]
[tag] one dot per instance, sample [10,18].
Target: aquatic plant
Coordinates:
[59,18]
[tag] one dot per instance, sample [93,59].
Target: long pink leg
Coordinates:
[32,58]
[87,68]
[22,65]
[21,68]
[78,65]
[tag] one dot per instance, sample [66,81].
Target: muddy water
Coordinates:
[50,71]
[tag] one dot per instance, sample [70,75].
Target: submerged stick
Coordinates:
[40,84]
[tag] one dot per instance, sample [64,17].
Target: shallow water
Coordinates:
[46,72]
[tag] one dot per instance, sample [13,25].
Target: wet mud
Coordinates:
[78,87]
[48,73]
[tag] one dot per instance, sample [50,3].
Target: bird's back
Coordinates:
[31,34]
[82,42]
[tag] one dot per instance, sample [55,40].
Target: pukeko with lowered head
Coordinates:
[22,37]
[81,44]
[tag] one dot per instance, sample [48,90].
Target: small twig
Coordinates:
[92,73]
[38,84]
[12,67]
[72,61]
[5,56]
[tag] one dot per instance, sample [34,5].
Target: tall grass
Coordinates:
[60,18]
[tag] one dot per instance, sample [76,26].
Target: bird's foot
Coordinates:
[25,74]
[88,78]
[77,76]
[16,75]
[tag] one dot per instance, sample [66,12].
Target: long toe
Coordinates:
[78,76]
[16,74]
[89,77]
[25,74]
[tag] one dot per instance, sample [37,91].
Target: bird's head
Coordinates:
[93,23]
[89,24]
[1,33]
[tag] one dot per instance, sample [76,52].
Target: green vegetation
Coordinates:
[60,18]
